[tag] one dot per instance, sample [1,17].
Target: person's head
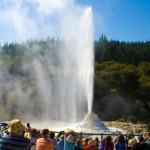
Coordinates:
[78,141]
[45,133]
[3,126]
[132,142]
[146,135]
[91,143]
[39,135]
[16,128]
[130,135]
[71,139]
[108,140]
[33,132]
[121,139]
[86,141]
[28,125]
[5,132]
[140,139]
[96,139]
[52,134]
[61,137]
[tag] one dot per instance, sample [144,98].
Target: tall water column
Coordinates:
[70,83]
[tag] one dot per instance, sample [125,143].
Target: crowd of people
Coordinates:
[15,136]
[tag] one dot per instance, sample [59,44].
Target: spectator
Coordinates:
[141,145]
[44,143]
[69,142]
[97,142]
[148,139]
[53,140]
[120,143]
[33,136]
[78,145]
[14,140]
[85,145]
[103,144]
[92,145]
[61,143]
[109,143]
[131,143]
[28,126]
[3,126]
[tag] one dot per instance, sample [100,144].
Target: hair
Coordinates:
[96,139]
[108,140]
[34,132]
[121,139]
[28,125]
[140,138]
[51,134]
[78,140]
[86,140]
[130,135]
[45,133]
[38,134]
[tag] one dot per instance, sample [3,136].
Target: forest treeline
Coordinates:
[120,51]
[121,80]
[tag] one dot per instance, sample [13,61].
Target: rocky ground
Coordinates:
[136,128]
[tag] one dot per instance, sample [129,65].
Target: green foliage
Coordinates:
[126,91]
[120,76]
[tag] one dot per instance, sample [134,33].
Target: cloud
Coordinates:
[14,15]
[37,18]
[49,7]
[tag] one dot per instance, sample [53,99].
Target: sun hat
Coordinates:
[16,127]
[132,142]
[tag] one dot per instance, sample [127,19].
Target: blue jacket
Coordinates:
[120,146]
[61,145]
[69,146]
[9,142]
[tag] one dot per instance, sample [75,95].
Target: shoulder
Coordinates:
[69,144]
[60,142]
[120,145]
[14,138]
[41,140]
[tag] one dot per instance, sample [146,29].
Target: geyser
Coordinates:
[92,121]
[49,80]
[66,89]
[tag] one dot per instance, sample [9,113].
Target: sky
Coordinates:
[127,20]
[124,20]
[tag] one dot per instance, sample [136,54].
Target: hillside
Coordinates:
[121,80]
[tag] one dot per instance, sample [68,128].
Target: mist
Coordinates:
[52,80]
